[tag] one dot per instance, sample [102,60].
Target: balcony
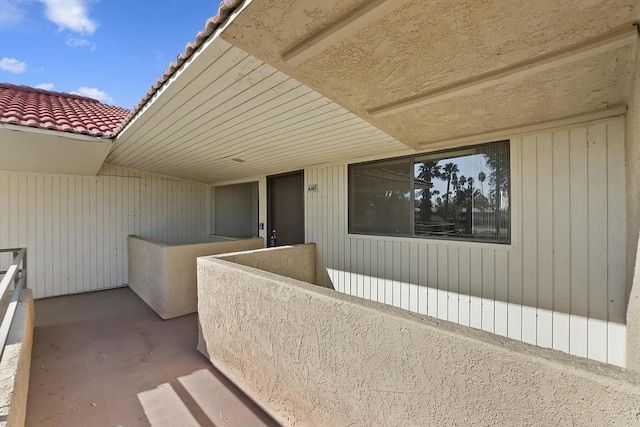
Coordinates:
[268,347]
[106,359]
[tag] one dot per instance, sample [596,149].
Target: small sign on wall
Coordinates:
[312,187]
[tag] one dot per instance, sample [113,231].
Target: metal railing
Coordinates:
[15,275]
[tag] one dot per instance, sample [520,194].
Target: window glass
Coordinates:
[379,197]
[236,210]
[464,194]
[457,194]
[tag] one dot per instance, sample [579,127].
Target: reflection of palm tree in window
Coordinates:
[449,171]
[481,178]
[498,163]
[428,171]
[466,197]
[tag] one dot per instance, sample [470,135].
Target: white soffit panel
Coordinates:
[27,150]
[228,115]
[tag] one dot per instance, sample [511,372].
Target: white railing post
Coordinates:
[16,274]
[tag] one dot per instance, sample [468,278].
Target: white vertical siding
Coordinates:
[560,284]
[75,228]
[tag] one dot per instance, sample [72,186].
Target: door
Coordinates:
[285,208]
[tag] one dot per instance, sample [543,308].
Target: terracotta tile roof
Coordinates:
[37,108]
[226,8]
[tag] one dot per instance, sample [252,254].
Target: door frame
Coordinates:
[269,208]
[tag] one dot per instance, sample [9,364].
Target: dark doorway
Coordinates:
[285,208]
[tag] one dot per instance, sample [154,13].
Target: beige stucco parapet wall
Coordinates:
[165,276]
[295,262]
[313,356]
[15,365]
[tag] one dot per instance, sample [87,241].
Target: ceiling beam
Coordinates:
[340,29]
[515,72]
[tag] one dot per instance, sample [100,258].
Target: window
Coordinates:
[459,194]
[236,210]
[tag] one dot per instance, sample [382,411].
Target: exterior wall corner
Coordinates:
[632,154]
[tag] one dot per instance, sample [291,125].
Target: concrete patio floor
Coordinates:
[106,359]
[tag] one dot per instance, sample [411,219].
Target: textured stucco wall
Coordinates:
[146,271]
[633,218]
[312,356]
[296,262]
[16,364]
[165,276]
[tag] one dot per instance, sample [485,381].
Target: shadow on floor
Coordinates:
[106,359]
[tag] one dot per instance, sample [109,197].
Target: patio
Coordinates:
[106,359]
[513,299]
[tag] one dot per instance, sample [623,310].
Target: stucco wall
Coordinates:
[165,276]
[313,356]
[16,364]
[146,272]
[633,219]
[296,262]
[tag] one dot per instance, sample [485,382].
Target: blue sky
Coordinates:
[111,50]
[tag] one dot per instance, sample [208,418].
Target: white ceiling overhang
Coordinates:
[27,149]
[227,115]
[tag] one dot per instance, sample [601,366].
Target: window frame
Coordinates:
[440,155]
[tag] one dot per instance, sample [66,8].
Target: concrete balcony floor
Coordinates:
[105,359]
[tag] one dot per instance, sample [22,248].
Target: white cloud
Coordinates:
[77,42]
[70,15]
[45,86]
[11,12]
[12,65]
[94,93]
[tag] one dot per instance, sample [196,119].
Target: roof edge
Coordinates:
[60,134]
[227,7]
